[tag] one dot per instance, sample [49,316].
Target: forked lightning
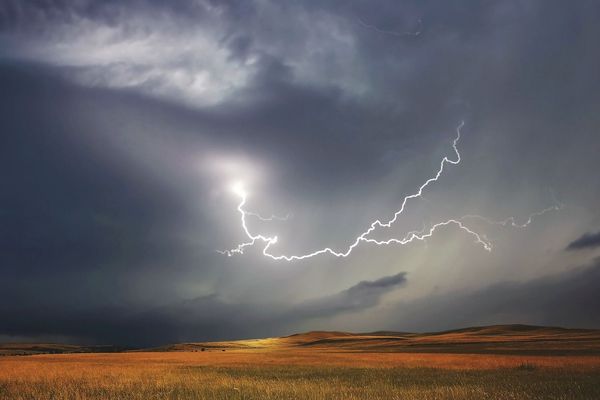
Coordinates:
[270,241]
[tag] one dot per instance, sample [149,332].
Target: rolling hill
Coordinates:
[496,339]
[502,339]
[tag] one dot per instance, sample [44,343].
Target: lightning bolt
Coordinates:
[512,221]
[269,241]
[273,217]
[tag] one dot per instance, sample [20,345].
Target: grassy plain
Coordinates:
[305,367]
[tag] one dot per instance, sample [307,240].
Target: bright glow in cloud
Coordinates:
[238,189]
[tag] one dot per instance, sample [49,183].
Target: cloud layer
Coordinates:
[124,124]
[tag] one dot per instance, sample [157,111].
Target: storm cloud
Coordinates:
[203,318]
[586,241]
[125,123]
[363,295]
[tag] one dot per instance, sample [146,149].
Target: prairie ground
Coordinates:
[298,374]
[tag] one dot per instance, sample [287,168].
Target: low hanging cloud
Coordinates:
[204,318]
[363,295]
[586,241]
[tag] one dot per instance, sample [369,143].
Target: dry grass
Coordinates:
[298,374]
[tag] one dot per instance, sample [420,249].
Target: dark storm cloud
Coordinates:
[586,241]
[363,295]
[104,104]
[206,318]
[566,299]
[72,218]
[203,318]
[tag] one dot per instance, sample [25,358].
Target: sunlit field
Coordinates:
[298,374]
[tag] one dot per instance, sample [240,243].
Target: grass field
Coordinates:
[286,374]
[291,369]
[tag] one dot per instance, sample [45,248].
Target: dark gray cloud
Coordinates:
[586,241]
[363,295]
[565,299]
[124,122]
[203,318]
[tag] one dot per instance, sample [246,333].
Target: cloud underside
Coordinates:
[363,295]
[207,317]
[586,241]
[566,299]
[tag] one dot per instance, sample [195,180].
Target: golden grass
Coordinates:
[298,374]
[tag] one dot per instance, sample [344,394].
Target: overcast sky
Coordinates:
[124,125]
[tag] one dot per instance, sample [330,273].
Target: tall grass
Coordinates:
[291,376]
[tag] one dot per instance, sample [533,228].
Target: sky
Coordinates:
[126,125]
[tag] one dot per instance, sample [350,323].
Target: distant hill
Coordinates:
[506,339]
[24,349]
[496,339]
